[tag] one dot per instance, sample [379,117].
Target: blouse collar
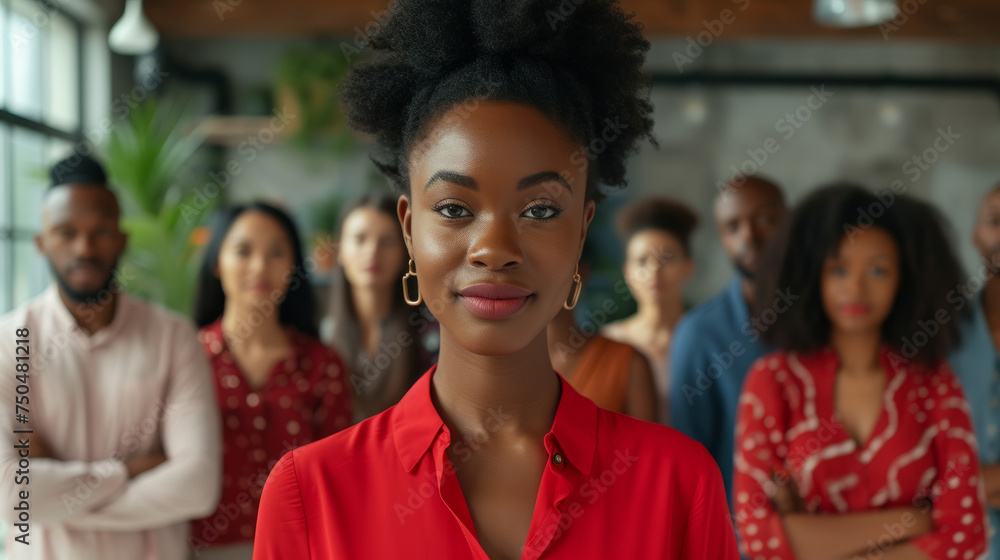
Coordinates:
[416,424]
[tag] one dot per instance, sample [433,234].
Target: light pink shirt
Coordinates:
[139,385]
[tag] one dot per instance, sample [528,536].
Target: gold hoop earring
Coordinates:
[411,271]
[575,292]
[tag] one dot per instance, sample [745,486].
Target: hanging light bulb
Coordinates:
[133,34]
[854,13]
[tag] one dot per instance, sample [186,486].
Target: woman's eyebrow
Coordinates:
[543,177]
[470,183]
[454,178]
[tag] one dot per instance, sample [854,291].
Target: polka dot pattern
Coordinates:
[922,445]
[302,400]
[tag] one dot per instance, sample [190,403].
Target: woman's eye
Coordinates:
[878,271]
[542,212]
[453,211]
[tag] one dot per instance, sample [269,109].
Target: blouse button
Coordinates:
[557,460]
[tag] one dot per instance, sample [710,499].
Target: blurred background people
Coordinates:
[716,342]
[278,387]
[125,443]
[656,233]
[385,343]
[614,375]
[983,289]
[848,428]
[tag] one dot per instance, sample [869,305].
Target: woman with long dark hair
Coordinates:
[385,343]
[496,121]
[853,440]
[278,387]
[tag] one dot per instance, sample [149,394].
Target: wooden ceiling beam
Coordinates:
[956,21]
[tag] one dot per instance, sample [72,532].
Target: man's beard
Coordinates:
[88,297]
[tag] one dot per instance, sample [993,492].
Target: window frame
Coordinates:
[10,233]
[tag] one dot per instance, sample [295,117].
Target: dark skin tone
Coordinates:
[859,286]
[986,237]
[745,216]
[487,204]
[81,239]
[640,394]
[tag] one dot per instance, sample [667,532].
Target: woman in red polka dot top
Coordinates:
[278,387]
[850,441]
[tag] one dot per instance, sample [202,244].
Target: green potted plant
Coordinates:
[148,158]
[306,84]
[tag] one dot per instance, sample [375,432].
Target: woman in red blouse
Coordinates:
[277,386]
[855,440]
[496,120]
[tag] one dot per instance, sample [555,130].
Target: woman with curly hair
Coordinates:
[852,440]
[496,120]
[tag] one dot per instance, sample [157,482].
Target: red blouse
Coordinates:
[614,487]
[304,399]
[922,447]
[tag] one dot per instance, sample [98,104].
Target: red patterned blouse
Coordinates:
[922,446]
[305,398]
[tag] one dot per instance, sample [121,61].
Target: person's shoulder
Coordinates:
[19,316]
[706,312]
[313,345]
[621,431]
[156,315]
[773,369]
[323,359]
[615,330]
[609,343]
[368,441]
[939,375]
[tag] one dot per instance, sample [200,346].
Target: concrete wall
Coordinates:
[863,135]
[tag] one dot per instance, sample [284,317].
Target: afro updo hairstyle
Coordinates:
[577,62]
[660,214]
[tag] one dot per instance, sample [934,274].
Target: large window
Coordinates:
[41,106]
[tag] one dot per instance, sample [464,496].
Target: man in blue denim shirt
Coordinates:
[979,354]
[715,344]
